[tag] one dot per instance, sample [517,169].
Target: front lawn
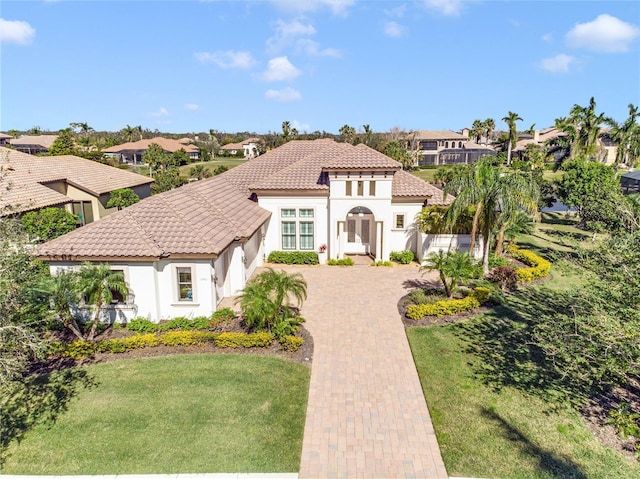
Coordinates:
[190,414]
[490,431]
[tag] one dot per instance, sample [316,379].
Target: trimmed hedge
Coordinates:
[293,257]
[381,263]
[447,307]
[341,262]
[244,340]
[537,268]
[291,343]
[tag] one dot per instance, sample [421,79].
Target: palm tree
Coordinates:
[267,299]
[61,292]
[489,126]
[97,283]
[477,129]
[452,266]
[367,134]
[128,132]
[496,195]
[510,120]
[347,133]
[286,130]
[587,123]
[627,137]
[139,130]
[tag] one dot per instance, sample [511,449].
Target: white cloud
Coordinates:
[192,106]
[16,31]
[547,37]
[393,29]
[301,127]
[396,11]
[561,63]
[284,95]
[280,69]
[227,59]
[337,7]
[445,7]
[312,48]
[285,34]
[160,113]
[604,34]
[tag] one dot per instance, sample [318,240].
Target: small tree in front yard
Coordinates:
[266,301]
[452,266]
[122,198]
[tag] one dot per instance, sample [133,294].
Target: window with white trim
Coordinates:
[288,235]
[288,212]
[305,213]
[399,221]
[306,235]
[184,279]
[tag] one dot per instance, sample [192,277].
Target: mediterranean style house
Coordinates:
[131,152]
[183,251]
[82,186]
[444,147]
[33,144]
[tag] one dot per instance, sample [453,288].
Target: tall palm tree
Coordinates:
[347,133]
[367,134]
[510,120]
[587,124]
[627,137]
[489,126]
[97,283]
[286,130]
[496,195]
[128,132]
[139,130]
[477,129]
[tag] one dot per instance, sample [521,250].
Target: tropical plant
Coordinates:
[266,301]
[477,130]
[496,195]
[627,137]
[286,130]
[396,151]
[489,126]
[60,293]
[452,266]
[347,133]
[121,198]
[510,120]
[48,223]
[367,134]
[128,132]
[98,283]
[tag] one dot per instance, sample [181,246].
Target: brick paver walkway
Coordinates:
[366,415]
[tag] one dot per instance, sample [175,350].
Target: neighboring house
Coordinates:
[249,147]
[444,147]
[81,186]
[33,144]
[131,153]
[630,182]
[183,251]
[4,139]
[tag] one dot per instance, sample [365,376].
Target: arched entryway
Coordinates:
[359,233]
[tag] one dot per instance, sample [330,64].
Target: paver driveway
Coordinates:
[366,415]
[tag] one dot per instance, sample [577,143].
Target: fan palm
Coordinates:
[97,283]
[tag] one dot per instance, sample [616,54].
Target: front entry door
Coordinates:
[358,235]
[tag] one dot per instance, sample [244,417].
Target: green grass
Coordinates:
[506,433]
[427,174]
[189,414]
[213,164]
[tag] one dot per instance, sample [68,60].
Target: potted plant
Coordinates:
[322,254]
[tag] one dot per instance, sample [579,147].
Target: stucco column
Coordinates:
[340,237]
[379,241]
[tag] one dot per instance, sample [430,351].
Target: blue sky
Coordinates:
[190,66]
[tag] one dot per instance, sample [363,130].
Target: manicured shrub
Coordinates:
[293,257]
[244,340]
[402,257]
[176,323]
[291,343]
[187,338]
[426,296]
[504,276]
[127,344]
[448,307]
[538,267]
[142,325]
[76,350]
[341,262]
[382,263]
[221,316]
[200,322]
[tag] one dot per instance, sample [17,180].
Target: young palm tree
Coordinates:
[452,266]
[97,283]
[496,195]
[61,292]
[510,120]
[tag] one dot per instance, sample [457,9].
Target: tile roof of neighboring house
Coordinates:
[26,177]
[438,135]
[198,219]
[185,141]
[165,143]
[41,140]
[4,136]
[202,218]
[472,145]
[239,145]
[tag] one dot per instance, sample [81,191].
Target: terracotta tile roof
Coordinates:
[438,135]
[165,143]
[4,136]
[26,177]
[198,219]
[41,140]
[407,185]
[239,145]
[362,157]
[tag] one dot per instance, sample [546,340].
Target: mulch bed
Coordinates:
[304,355]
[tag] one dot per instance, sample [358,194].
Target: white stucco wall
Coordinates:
[433,243]
[404,238]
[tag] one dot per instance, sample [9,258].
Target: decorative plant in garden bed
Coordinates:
[537,267]
[340,262]
[294,257]
[447,307]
